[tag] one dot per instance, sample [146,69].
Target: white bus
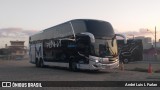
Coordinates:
[76,44]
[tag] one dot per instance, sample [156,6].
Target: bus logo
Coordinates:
[53,44]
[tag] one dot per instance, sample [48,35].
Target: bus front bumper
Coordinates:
[100,66]
[98,63]
[103,63]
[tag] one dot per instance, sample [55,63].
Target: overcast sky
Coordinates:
[124,15]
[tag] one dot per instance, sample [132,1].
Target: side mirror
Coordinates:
[123,36]
[92,38]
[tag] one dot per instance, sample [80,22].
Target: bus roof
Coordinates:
[74,26]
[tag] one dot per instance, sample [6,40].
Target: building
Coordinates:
[147,42]
[157,44]
[4,53]
[17,49]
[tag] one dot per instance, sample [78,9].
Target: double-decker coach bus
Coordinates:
[76,44]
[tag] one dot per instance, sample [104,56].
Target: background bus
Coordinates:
[132,51]
[76,44]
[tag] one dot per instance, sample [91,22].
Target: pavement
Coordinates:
[22,70]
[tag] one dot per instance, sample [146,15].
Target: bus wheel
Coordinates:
[41,63]
[73,66]
[125,60]
[37,63]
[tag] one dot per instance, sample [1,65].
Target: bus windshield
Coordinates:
[105,42]
[104,48]
[100,29]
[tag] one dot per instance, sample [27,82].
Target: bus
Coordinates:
[76,44]
[132,51]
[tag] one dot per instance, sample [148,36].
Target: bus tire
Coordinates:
[73,65]
[37,63]
[41,63]
[125,60]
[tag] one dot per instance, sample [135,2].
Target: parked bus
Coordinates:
[76,44]
[132,51]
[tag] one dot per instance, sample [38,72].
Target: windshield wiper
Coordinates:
[113,40]
[110,49]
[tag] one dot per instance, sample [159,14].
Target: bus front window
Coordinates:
[105,47]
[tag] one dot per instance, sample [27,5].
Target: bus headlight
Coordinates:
[96,61]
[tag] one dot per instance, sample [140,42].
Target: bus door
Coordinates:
[83,48]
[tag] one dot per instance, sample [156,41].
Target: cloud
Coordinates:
[13,34]
[141,32]
[16,32]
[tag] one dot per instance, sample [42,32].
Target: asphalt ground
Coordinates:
[22,70]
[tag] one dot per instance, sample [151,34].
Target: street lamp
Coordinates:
[154,35]
[155,42]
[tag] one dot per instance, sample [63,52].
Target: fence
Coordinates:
[151,57]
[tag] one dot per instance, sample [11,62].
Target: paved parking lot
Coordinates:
[22,70]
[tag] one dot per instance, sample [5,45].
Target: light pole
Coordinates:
[155,36]
[155,42]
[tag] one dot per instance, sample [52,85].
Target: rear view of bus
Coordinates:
[76,44]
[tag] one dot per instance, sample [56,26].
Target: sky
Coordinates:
[126,16]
